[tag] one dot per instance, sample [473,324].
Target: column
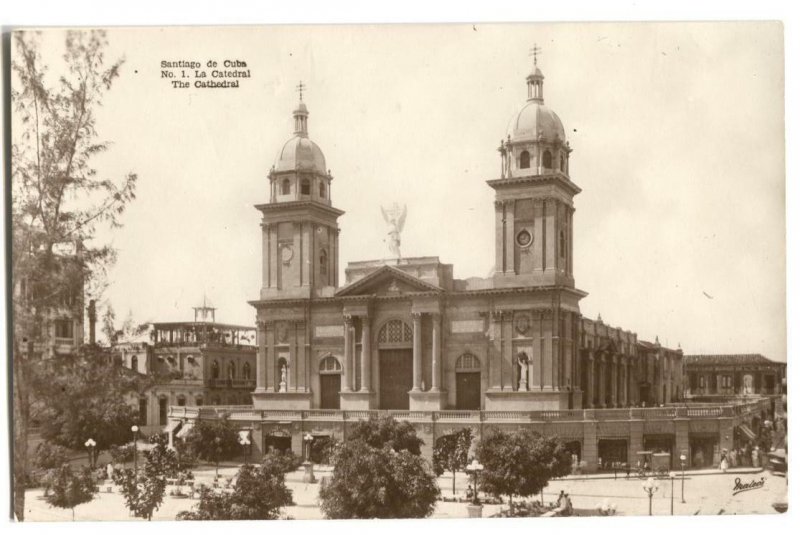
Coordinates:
[624,382]
[366,354]
[417,352]
[269,330]
[499,237]
[347,370]
[435,353]
[261,359]
[614,380]
[590,382]
[509,237]
[601,363]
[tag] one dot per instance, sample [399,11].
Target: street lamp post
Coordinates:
[475,509]
[650,487]
[217,453]
[308,466]
[90,445]
[683,475]
[672,493]
[135,430]
[244,440]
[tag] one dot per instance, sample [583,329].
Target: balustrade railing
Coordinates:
[690,410]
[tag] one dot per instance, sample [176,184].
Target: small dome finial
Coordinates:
[535,79]
[301,114]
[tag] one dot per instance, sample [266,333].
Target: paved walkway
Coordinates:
[706,493]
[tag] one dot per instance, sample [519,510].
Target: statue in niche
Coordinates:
[282,384]
[522,362]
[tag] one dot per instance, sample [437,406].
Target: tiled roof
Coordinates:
[750,359]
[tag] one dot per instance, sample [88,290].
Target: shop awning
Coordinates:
[171,426]
[184,430]
[747,431]
[244,437]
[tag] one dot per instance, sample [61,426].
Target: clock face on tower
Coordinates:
[524,238]
[287,252]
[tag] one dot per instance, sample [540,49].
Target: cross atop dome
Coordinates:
[300,87]
[535,52]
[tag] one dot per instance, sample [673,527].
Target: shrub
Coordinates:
[122,454]
[369,482]
[322,450]
[214,440]
[284,461]
[49,455]
[143,491]
[259,494]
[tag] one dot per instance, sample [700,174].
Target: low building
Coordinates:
[733,375]
[193,363]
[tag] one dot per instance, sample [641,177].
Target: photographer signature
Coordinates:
[739,486]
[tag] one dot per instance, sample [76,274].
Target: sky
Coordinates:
[677,131]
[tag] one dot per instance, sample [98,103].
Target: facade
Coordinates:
[193,363]
[403,335]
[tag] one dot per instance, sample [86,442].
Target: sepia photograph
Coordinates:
[391,271]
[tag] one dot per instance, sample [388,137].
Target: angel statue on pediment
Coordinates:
[395,217]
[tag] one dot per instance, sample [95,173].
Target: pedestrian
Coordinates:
[755,457]
[723,463]
[110,471]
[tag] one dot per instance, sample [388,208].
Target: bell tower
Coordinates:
[300,231]
[533,197]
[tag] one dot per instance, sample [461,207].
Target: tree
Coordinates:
[369,482]
[378,432]
[259,494]
[143,490]
[83,396]
[214,440]
[451,452]
[70,489]
[57,198]
[520,463]
[160,460]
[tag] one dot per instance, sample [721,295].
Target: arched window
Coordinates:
[468,361]
[135,363]
[323,263]
[394,332]
[562,244]
[215,370]
[246,371]
[198,401]
[305,187]
[561,163]
[322,190]
[547,160]
[286,187]
[231,370]
[524,160]
[181,401]
[330,364]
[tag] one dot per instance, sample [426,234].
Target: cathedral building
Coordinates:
[403,335]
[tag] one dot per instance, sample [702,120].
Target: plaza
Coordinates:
[706,493]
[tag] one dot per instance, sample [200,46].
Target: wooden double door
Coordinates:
[468,391]
[330,385]
[396,378]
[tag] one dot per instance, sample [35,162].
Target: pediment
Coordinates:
[387,280]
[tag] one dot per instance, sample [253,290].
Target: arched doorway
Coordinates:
[468,383]
[395,364]
[330,382]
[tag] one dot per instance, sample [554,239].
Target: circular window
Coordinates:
[524,238]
